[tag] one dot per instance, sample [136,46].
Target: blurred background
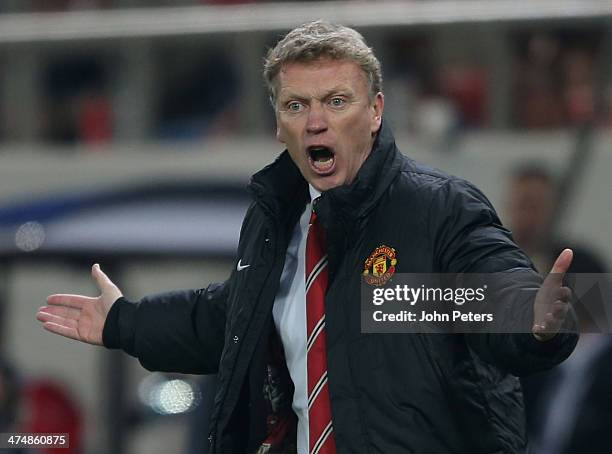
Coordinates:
[129,130]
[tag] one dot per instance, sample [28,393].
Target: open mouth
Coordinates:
[322,159]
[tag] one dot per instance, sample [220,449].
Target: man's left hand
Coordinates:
[552,300]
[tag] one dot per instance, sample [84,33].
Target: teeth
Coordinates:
[323,165]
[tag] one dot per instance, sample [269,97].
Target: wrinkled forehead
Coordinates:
[321,76]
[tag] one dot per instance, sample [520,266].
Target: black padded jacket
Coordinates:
[390,393]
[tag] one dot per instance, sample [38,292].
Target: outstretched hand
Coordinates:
[552,300]
[80,317]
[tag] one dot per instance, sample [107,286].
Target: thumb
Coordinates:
[102,280]
[563,262]
[560,267]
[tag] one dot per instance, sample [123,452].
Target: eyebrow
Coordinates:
[337,89]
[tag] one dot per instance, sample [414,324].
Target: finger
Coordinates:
[42,316]
[552,323]
[559,310]
[75,301]
[67,322]
[558,270]
[564,294]
[539,329]
[61,311]
[545,327]
[562,263]
[102,280]
[551,320]
[65,331]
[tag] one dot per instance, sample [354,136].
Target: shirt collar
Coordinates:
[314,194]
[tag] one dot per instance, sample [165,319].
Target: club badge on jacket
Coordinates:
[380,265]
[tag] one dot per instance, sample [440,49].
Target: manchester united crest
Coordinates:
[380,266]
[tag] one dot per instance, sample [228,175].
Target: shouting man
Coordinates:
[283,333]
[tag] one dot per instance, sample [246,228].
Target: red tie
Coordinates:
[319,412]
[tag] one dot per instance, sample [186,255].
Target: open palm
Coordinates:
[80,317]
[552,301]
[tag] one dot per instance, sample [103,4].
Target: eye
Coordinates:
[337,102]
[295,107]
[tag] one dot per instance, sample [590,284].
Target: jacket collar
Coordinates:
[381,167]
[280,185]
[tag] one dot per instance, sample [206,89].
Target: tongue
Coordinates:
[323,163]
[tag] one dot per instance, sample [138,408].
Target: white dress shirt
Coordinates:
[289,313]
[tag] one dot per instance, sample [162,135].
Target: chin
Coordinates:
[323,184]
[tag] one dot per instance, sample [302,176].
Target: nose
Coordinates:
[317,118]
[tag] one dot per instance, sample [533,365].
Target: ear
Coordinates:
[377,110]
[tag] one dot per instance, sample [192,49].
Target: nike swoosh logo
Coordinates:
[241,267]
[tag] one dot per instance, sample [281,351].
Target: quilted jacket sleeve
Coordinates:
[471,239]
[179,331]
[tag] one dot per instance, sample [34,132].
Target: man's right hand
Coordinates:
[80,317]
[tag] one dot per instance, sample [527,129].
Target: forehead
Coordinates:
[530,183]
[321,75]
[531,190]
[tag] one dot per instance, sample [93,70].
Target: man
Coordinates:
[531,201]
[283,332]
[566,407]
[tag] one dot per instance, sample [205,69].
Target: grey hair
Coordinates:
[321,39]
